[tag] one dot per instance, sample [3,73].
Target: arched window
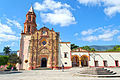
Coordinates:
[28,28]
[65,54]
[33,29]
[29,18]
[33,19]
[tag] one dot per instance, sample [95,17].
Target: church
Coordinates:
[43,48]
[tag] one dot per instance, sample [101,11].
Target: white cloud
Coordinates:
[76,34]
[12,44]
[8,37]
[118,38]
[55,12]
[78,7]
[103,34]
[14,22]
[49,5]
[108,36]
[61,16]
[91,31]
[111,7]
[6,33]
[5,29]
[110,11]
[89,2]
[90,38]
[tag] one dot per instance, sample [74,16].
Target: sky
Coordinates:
[82,22]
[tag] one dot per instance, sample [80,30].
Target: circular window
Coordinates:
[44,42]
[26,61]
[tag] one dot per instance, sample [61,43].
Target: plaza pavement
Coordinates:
[49,75]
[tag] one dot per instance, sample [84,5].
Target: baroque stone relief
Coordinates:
[44,51]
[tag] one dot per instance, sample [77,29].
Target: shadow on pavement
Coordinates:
[9,72]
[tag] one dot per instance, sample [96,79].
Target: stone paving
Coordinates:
[49,75]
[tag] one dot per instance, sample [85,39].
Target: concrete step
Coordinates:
[112,72]
[115,70]
[97,71]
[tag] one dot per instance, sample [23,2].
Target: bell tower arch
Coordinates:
[30,22]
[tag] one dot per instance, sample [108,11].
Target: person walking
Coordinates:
[62,68]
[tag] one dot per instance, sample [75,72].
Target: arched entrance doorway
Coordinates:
[75,61]
[84,60]
[43,62]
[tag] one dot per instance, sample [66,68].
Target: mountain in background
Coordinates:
[102,47]
[2,53]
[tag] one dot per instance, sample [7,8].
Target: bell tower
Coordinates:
[30,22]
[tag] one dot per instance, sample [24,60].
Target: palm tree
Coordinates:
[6,50]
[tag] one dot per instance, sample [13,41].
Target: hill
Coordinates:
[102,47]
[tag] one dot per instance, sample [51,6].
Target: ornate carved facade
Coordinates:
[44,44]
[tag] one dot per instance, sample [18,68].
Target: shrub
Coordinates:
[3,60]
[9,67]
[14,68]
[13,59]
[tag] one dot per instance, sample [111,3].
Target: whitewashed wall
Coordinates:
[64,47]
[110,57]
[25,49]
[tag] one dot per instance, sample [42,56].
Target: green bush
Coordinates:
[14,68]
[3,60]
[9,67]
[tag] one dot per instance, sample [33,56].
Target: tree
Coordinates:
[7,50]
[73,46]
[13,59]
[92,49]
[88,48]
[3,60]
[115,48]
